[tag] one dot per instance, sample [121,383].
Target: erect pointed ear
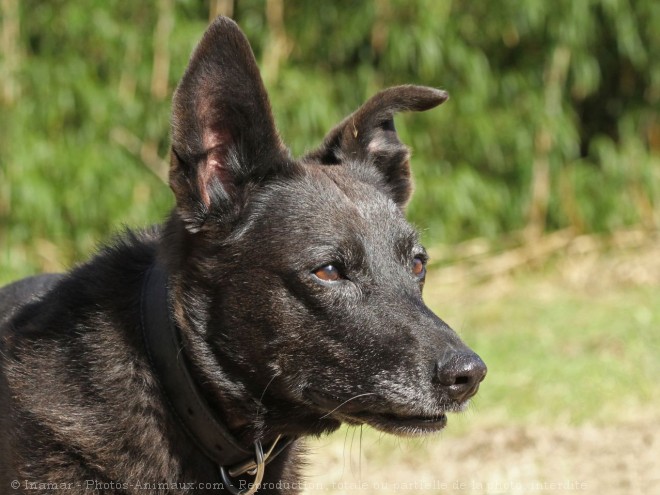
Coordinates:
[369,135]
[223,133]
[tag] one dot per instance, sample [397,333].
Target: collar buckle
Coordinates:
[254,467]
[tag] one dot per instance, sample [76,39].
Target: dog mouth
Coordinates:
[388,422]
[398,424]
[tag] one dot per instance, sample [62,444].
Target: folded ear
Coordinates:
[223,133]
[368,135]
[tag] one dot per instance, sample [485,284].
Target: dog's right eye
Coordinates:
[328,273]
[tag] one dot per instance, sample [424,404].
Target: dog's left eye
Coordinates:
[328,273]
[419,267]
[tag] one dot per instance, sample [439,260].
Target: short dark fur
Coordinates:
[274,348]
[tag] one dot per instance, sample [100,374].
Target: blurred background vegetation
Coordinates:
[554,120]
[547,156]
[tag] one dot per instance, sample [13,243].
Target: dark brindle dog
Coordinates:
[281,298]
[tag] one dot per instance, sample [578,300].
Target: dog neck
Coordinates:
[167,355]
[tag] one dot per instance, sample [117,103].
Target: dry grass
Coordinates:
[608,460]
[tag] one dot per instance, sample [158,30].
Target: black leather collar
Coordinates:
[168,359]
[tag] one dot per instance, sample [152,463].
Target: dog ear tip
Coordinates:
[438,96]
[224,21]
[425,97]
[224,27]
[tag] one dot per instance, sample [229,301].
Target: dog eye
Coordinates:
[419,267]
[328,273]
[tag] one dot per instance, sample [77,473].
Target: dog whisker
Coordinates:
[352,465]
[346,402]
[343,464]
[263,394]
[360,455]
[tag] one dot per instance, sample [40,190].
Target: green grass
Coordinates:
[557,354]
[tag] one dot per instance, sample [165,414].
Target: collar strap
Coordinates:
[168,359]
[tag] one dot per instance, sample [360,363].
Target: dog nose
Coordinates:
[461,375]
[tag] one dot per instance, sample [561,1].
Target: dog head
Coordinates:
[298,283]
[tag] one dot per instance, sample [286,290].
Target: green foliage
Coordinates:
[571,86]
